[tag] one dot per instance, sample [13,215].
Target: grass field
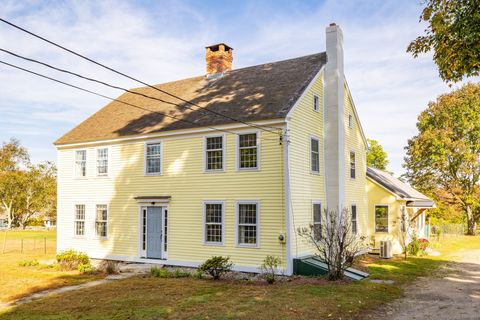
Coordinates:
[185,298]
[17,281]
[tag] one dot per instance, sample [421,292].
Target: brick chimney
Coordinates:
[219,59]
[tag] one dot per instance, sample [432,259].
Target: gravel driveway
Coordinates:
[453,295]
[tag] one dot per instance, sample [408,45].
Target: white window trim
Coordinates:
[313,211]
[109,153]
[204,220]
[356,218]
[310,152]
[350,121]
[237,211]
[75,174]
[75,235]
[349,165]
[318,105]
[95,221]
[224,153]
[237,151]
[375,218]
[145,158]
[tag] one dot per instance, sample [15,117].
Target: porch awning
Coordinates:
[421,203]
[153,199]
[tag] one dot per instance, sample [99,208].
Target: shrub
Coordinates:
[71,260]
[216,266]
[424,244]
[28,263]
[414,247]
[269,266]
[85,268]
[198,274]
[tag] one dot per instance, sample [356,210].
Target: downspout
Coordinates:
[288,208]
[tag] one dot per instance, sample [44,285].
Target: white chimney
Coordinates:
[334,119]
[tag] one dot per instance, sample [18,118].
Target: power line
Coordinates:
[114,99]
[130,77]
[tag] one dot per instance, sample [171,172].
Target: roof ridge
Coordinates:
[235,70]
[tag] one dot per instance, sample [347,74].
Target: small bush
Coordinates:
[71,260]
[216,266]
[414,247]
[269,266]
[424,244]
[85,268]
[28,263]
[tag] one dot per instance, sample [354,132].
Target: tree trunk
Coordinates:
[471,223]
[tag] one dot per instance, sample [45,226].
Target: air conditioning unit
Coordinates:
[386,249]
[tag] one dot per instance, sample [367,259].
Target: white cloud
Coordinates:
[165,42]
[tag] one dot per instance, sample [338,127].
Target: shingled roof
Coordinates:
[262,92]
[399,188]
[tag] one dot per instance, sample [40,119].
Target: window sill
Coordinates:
[316,173]
[153,174]
[214,171]
[247,169]
[214,244]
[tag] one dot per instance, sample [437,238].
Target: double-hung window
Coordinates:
[79,222]
[102,162]
[101,218]
[354,219]
[317,221]
[153,158]
[214,222]
[352,164]
[314,155]
[248,151]
[81,163]
[247,224]
[214,153]
[316,103]
[381,218]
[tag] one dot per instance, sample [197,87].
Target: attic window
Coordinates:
[316,103]
[350,121]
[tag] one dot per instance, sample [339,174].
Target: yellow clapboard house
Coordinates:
[234,168]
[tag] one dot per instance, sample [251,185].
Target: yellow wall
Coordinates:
[186,182]
[355,189]
[305,185]
[377,195]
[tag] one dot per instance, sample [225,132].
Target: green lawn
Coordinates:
[185,298]
[16,281]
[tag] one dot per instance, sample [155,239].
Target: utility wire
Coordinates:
[114,99]
[130,77]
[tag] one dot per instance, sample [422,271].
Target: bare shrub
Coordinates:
[334,241]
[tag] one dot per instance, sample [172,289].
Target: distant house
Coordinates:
[388,197]
[3,220]
[171,183]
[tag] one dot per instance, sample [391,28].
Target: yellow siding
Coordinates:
[355,189]
[186,182]
[305,186]
[377,195]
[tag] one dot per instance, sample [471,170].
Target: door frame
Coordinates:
[142,253]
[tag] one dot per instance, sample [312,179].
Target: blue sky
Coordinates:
[159,41]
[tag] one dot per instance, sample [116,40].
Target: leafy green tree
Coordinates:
[453,33]
[376,155]
[446,152]
[13,157]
